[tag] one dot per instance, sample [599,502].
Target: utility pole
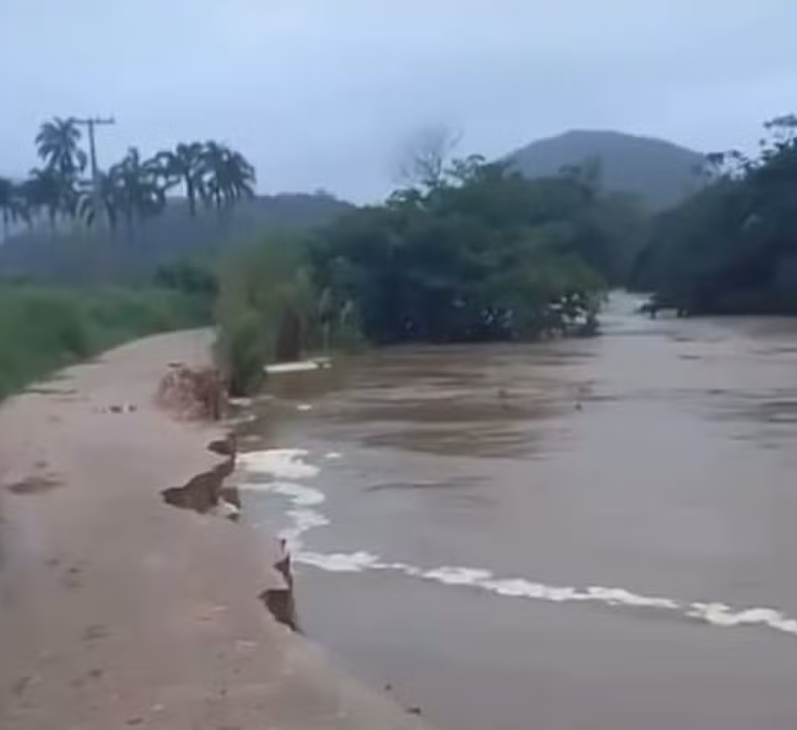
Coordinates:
[91,123]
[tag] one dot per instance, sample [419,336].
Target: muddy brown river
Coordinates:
[590,534]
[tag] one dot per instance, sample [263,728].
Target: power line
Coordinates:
[91,123]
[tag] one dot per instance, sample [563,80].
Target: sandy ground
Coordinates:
[117,610]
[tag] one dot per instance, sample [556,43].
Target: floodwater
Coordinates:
[590,534]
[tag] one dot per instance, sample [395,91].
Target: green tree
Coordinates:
[10,204]
[183,166]
[267,309]
[227,176]
[731,248]
[58,145]
[483,254]
[106,194]
[138,194]
[46,189]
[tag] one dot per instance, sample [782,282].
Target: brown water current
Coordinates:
[589,534]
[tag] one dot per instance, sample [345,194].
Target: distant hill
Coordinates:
[658,172]
[78,256]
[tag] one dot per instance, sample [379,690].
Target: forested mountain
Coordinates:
[659,173]
[75,255]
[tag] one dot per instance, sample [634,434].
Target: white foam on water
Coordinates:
[620,596]
[278,463]
[304,407]
[718,614]
[278,466]
[307,519]
[302,520]
[225,509]
[332,455]
[285,464]
[338,562]
[714,614]
[299,495]
[301,366]
[457,576]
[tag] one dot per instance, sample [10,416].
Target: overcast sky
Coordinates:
[324,93]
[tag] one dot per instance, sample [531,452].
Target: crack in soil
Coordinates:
[207,493]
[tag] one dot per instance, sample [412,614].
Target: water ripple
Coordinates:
[281,465]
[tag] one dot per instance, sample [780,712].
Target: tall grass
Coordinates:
[270,308]
[43,328]
[258,286]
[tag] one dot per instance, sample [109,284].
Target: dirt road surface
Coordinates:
[118,610]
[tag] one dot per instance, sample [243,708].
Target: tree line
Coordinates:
[130,191]
[465,251]
[732,247]
[478,252]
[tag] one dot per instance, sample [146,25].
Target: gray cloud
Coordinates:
[324,94]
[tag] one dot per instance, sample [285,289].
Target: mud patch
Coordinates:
[34,484]
[281,602]
[224,447]
[193,394]
[207,492]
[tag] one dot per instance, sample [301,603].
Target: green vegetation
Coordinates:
[732,248]
[80,256]
[242,350]
[471,252]
[122,225]
[69,225]
[477,252]
[657,173]
[44,328]
[266,309]
[130,192]
[467,251]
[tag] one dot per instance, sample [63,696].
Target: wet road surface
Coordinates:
[584,534]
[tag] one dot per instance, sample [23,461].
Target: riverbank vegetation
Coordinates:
[470,252]
[465,251]
[44,328]
[265,309]
[732,247]
[477,252]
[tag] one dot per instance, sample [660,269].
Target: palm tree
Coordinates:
[227,176]
[49,190]
[58,145]
[183,166]
[106,194]
[138,193]
[9,208]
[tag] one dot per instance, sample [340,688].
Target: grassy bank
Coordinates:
[44,328]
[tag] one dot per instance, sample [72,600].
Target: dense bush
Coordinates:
[242,351]
[478,253]
[481,254]
[43,328]
[732,248]
[266,309]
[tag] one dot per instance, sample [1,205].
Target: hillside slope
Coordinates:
[77,256]
[660,173]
